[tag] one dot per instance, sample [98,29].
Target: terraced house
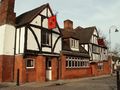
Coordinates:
[33,48]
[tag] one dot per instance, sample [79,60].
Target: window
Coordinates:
[96,49]
[100,66]
[74,44]
[46,38]
[75,62]
[30,63]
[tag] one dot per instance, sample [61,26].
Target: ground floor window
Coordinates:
[76,62]
[30,63]
[100,66]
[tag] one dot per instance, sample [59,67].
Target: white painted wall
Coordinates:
[31,42]
[37,21]
[7,39]
[86,47]
[20,39]
[58,44]
[44,12]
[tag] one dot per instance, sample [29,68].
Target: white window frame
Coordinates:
[72,62]
[74,44]
[33,66]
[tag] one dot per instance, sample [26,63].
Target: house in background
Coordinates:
[74,58]
[95,46]
[38,45]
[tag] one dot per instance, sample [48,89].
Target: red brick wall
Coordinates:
[54,69]
[6,68]
[1,59]
[31,75]
[73,72]
[106,68]
[40,69]
[20,64]
[7,15]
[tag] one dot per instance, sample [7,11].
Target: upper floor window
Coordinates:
[46,38]
[96,49]
[74,44]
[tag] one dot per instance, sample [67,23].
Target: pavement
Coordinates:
[51,83]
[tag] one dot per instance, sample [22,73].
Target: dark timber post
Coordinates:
[118,80]
[18,77]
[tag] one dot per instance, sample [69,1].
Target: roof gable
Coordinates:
[30,15]
[85,34]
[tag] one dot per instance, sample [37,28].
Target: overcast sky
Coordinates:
[104,14]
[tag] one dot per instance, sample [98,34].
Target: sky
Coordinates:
[104,14]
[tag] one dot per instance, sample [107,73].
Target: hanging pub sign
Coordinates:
[52,22]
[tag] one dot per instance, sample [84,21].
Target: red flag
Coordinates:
[52,22]
[101,42]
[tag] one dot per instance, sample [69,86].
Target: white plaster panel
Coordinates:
[95,32]
[37,21]
[46,49]
[86,47]
[49,13]
[45,23]
[2,35]
[44,12]
[31,42]
[17,41]
[38,34]
[22,39]
[7,39]
[58,44]
[56,30]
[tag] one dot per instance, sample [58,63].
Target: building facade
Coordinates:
[33,48]
[38,45]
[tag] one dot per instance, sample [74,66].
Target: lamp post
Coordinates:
[115,30]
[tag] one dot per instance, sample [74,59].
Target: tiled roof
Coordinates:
[85,34]
[28,16]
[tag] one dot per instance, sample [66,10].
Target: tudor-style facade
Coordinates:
[90,40]
[37,45]
[74,58]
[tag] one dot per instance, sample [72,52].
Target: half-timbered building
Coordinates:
[97,49]
[38,45]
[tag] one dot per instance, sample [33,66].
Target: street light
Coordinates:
[115,30]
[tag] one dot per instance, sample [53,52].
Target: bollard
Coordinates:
[18,78]
[118,80]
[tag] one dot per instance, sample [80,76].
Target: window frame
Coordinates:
[74,44]
[31,67]
[76,62]
[46,38]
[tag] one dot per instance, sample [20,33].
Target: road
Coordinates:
[103,83]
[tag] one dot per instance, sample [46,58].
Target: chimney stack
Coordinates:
[68,24]
[7,15]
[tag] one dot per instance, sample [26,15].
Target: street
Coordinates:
[101,83]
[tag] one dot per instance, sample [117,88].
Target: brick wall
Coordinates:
[20,64]
[6,68]
[54,69]
[40,69]
[106,68]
